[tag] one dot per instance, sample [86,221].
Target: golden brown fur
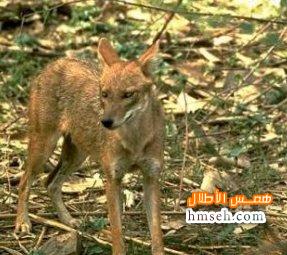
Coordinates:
[71,98]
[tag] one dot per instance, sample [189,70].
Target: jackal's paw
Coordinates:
[23,226]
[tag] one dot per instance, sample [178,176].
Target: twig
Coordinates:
[261,30]
[157,8]
[280,215]
[51,223]
[279,63]
[147,244]
[56,224]
[40,239]
[182,170]
[278,105]
[202,13]
[7,174]
[16,196]
[59,225]
[265,57]
[35,51]
[218,247]
[153,22]
[23,247]
[50,215]
[211,134]
[10,123]
[10,251]
[167,21]
[138,241]
[256,65]
[11,243]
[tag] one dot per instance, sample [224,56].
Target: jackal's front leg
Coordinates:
[113,189]
[151,172]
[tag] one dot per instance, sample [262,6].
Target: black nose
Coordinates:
[108,123]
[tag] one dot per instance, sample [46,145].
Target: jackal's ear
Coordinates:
[106,53]
[146,60]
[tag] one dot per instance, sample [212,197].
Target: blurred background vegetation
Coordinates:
[221,76]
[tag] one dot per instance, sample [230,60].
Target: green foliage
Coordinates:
[232,60]
[217,21]
[271,39]
[84,13]
[95,250]
[101,28]
[247,27]
[129,49]
[245,125]
[275,96]
[36,253]
[225,232]
[25,39]
[16,85]
[237,150]
[97,223]
[257,178]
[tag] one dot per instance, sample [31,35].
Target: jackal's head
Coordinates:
[126,86]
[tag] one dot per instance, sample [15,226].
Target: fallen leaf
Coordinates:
[81,184]
[224,39]
[208,55]
[101,199]
[195,71]
[63,28]
[174,224]
[246,94]
[215,179]
[186,103]
[243,228]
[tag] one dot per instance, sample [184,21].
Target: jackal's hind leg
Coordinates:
[70,160]
[40,148]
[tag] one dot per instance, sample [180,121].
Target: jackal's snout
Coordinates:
[118,114]
[107,123]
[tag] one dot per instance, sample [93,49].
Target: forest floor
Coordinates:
[222,82]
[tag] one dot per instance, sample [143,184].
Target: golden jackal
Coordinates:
[111,115]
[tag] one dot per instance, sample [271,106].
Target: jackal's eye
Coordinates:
[104,94]
[128,94]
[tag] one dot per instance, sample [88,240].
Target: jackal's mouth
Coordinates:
[124,120]
[128,118]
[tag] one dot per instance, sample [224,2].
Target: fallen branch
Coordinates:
[53,223]
[276,20]
[40,239]
[161,9]
[12,243]
[280,215]
[147,244]
[10,123]
[138,241]
[32,51]
[10,251]
[51,215]
[219,247]
[168,20]
[182,170]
